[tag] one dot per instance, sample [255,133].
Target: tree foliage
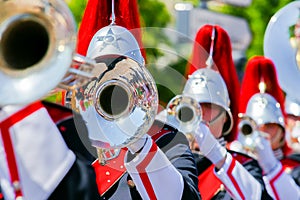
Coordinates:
[258,15]
[77,8]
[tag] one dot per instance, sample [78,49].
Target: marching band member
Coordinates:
[269,119]
[219,48]
[159,165]
[239,174]
[263,98]
[36,162]
[222,173]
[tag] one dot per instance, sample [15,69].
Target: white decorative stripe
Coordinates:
[238,180]
[163,176]
[281,185]
[131,166]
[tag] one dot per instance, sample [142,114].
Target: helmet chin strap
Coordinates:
[214,120]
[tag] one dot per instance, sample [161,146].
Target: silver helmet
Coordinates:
[207,86]
[264,109]
[115,40]
[292,106]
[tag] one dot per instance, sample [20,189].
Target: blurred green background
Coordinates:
[159,13]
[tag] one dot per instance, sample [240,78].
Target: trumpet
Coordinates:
[246,127]
[37,49]
[247,132]
[184,113]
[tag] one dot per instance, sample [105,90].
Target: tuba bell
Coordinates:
[184,113]
[37,44]
[282,46]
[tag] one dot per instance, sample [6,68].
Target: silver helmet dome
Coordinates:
[207,86]
[115,40]
[264,109]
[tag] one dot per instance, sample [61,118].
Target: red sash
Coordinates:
[209,184]
[107,175]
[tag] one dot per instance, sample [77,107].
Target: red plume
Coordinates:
[128,16]
[258,69]
[222,57]
[97,15]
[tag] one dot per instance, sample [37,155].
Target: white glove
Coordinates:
[209,145]
[138,145]
[296,130]
[265,155]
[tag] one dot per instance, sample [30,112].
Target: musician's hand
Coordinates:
[209,146]
[265,155]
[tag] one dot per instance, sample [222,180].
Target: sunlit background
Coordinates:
[244,20]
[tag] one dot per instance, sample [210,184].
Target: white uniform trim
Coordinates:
[281,185]
[238,181]
[153,174]
[42,156]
